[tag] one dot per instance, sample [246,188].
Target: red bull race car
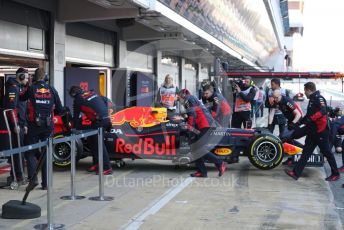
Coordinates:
[145,133]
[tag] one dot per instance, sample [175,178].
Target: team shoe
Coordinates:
[20,180]
[197,174]
[93,168]
[288,162]
[332,178]
[106,171]
[291,174]
[222,168]
[341,169]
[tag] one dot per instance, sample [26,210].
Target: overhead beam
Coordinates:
[296,75]
[82,11]
[140,32]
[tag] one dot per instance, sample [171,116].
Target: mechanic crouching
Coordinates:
[316,131]
[199,121]
[95,108]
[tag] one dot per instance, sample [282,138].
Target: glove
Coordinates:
[305,120]
[291,125]
[183,126]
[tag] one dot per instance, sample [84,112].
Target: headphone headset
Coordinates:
[21,73]
[46,78]
[75,90]
[21,76]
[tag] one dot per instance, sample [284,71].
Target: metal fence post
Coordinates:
[101,196]
[49,161]
[72,174]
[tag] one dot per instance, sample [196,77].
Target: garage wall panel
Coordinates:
[35,39]
[21,40]
[189,81]
[136,60]
[203,74]
[86,50]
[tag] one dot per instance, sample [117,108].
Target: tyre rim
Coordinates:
[62,152]
[266,151]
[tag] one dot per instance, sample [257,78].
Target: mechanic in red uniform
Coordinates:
[217,105]
[199,120]
[316,130]
[95,108]
[14,88]
[42,101]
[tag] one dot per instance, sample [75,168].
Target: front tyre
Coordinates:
[62,153]
[265,152]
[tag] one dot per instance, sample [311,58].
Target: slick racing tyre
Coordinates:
[61,153]
[265,152]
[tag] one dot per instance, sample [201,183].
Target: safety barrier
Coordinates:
[14,184]
[49,161]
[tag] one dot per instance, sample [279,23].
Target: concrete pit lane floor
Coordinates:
[151,195]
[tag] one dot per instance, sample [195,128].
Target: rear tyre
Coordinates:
[265,152]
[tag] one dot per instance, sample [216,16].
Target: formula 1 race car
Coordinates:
[145,133]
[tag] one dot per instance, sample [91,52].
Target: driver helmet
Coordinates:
[183,93]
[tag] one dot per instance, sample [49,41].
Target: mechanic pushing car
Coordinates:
[95,108]
[316,131]
[199,121]
[244,93]
[42,100]
[14,87]
[216,105]
[291,111]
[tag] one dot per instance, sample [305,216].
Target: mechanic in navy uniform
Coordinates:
[316,130]
[292,112]
[278,118]
[14,88]
[199,121]
[216,105]
[95,108]
[42,101]
[243,96]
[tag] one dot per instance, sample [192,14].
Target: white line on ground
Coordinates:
[156,205]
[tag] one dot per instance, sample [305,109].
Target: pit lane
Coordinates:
[244,196]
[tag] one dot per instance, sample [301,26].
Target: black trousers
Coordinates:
[199,147]
[313,140]
[241,118]
[93,143]
[36,134]
[279,120]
